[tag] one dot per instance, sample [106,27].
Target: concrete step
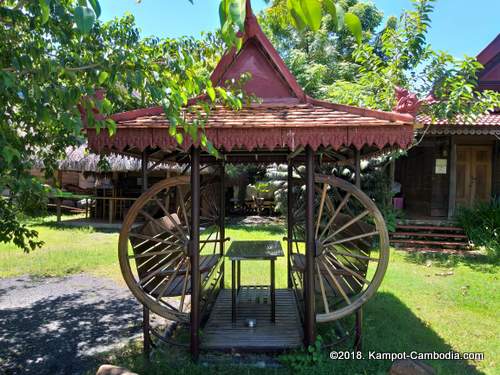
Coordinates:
[428,235]
[431,243]
[430,228]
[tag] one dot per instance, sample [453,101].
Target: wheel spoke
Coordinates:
[353,273]
[336,283]
[334,216]
[322,287]
[183,209]
[151,254]
[208,196]
[348,254]
[146,263]
[322,203]
[342,275]
[165,287]
[155,272]
[353,238]
[357,267]
[184,286]
[154,239]
[206,241]
[147,216]
[347,225]
[171,218]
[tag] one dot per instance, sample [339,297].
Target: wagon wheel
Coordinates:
[153,246]
[352,246]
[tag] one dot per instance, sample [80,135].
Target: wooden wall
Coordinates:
[413,172]
[425,193]
[496,169]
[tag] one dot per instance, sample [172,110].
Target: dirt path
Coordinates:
[59,325]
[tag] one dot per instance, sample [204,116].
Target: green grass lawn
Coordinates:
[417,308]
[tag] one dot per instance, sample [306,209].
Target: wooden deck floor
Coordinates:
[221,334]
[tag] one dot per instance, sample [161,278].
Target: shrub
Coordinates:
[482,224]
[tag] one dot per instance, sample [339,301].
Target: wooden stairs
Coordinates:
[429,236]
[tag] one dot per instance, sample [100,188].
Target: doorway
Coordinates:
[474,170]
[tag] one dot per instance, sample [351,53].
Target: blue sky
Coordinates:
[458,26]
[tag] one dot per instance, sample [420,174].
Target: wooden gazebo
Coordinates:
[172,242]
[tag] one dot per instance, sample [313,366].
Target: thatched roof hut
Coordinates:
[79,159]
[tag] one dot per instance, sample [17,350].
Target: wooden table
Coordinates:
[252,250]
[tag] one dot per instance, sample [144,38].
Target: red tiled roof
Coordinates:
[492,119]
[267,126]
[277,115]
[484,125]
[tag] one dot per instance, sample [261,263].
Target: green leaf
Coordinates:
[340,16]
[45,8]
[239,43]
[237,11]
[84,19]
[223,12]
[8,79]
[103,76]
[96,6]
[353,24]
[9,153]
[106,105]
[211,93]
[222,92]
[111,126]
[296,15]
[332,10]
[179,138]
[203,139]
[312,13]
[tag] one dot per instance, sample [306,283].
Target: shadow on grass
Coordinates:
[64,331]
[390,326]
[480,262]
[77,223]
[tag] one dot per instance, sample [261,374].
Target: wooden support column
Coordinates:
[144,169]
[289,223]
[59,200]
[194,252]
[357,165]
[392,178]
[452,177]
[58,209]
[222,218]
[145,310]
[310,313]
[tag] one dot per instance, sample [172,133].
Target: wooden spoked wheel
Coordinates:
[154,251]
[352,246]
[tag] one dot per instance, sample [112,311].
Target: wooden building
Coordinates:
[111,183]
[455,164]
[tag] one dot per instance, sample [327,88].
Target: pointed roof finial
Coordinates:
[249,7]
[251,24]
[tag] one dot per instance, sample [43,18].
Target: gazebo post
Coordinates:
[194,249]
[310,313]
[289,223]
[357,166]
[222,216]
[144,170]
[145,310]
